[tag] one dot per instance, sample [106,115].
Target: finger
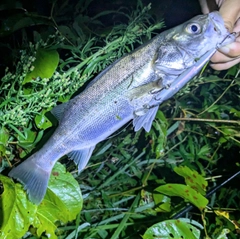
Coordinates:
[208,6]
[223,55]
[230,11]
[237,26]
[204,6]
[224,66]
[231,50]
[219,57]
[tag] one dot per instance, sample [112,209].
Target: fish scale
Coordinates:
[124,91]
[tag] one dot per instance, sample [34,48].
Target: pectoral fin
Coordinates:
[81,157]
[145,121]
[142,90]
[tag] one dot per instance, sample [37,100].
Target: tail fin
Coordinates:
[33,177]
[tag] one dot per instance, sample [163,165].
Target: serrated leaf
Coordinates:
[172,229]
[63,201]
[17,211]
[192,178]
[44,66]
[203,151]
[185,192]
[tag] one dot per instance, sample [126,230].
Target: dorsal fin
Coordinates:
[58,110]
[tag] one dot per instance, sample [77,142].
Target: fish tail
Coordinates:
[33,177]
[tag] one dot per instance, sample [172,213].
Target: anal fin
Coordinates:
[81,157]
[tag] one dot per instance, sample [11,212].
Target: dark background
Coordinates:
[20,18]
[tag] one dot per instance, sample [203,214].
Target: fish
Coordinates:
[126,90]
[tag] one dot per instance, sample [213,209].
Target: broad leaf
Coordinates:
[44,66]
[17,212]
[192,178]
[162,202]
[172,229]
[64,191]
[42,121]
[186,192]
[223,234]
[63,201]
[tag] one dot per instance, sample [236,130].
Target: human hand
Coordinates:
[228,55]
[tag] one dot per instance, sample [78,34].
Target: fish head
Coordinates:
[200,34]
[186,43]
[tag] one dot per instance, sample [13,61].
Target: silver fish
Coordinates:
[122,92]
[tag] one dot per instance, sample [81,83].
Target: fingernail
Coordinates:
[224,49]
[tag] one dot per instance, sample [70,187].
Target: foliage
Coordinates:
[172,228]
[19,213]
[36,86]
[136,183]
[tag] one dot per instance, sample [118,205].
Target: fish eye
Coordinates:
[193,28]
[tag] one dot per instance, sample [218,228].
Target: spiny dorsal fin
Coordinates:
[58,110]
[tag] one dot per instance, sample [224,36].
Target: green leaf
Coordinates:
[230,132]
[42,121]
[27,139]
[14,22]
[233,71]
[192,178]
[67,192]
[4,136]
[163,203]
[203,151]
[17,211]
[235,112]
[172,229]
[63,201]
[223,234]
[185,192]
[158,134]
[44,66]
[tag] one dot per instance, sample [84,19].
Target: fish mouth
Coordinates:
[218,23]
